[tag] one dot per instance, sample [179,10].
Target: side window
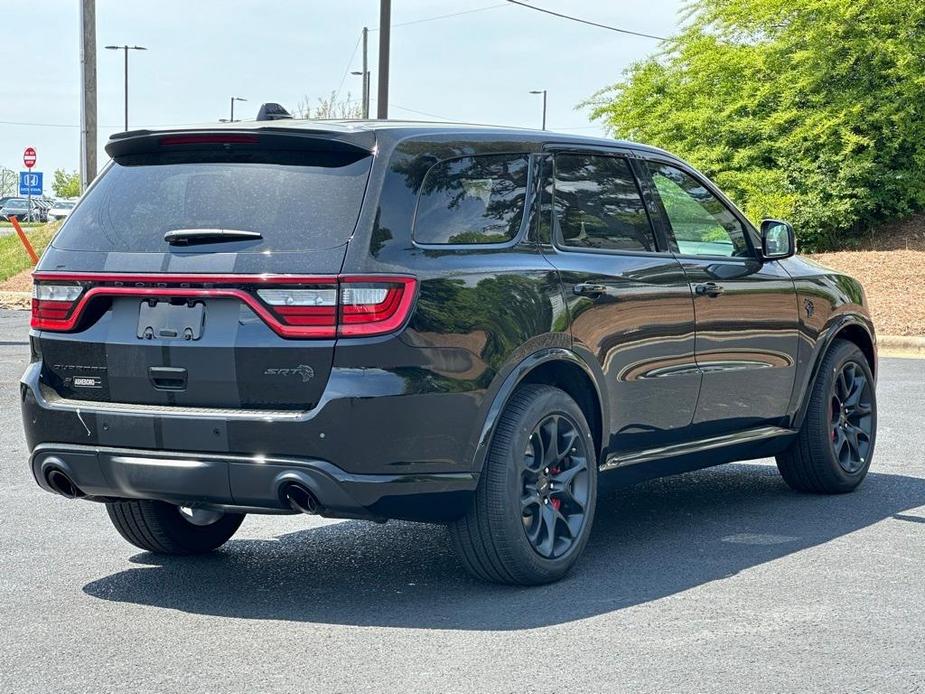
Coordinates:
[472,200]
[598,204]
[701,223]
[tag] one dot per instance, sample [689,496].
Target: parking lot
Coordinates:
[720,580]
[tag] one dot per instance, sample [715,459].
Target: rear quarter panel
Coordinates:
[480,311]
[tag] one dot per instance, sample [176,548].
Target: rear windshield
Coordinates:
[309,205]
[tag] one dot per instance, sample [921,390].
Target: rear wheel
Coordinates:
[163,528]
[533,509]
[832,452]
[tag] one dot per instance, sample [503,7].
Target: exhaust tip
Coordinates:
[62,484]
[301,499]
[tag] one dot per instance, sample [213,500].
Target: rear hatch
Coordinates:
[202,270]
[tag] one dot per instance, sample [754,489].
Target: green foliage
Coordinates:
[809,110]
[13,256]
[66,185]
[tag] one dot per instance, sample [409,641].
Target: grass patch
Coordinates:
[9,225]
[13,257]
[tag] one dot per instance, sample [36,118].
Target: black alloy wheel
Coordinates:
[851,417]
[832,451]
[534,507]
[555,486]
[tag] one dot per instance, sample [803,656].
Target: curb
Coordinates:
[901,346]
[21,300]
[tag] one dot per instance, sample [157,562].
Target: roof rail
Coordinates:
[271,111]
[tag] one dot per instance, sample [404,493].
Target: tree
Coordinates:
[810,110]
[329,108]
[9,182]
[66,185]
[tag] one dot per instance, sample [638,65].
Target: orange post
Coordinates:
[25,241]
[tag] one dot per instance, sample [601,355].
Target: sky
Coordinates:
[478,66]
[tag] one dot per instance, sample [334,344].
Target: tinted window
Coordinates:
[294,207]
[598,204]
[701,223]
[472,200]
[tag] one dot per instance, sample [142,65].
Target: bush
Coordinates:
[808,110]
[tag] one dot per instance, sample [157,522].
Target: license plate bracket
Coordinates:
[162,320]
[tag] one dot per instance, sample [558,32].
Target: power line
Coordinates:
[586,21]
[41,125]
[347,69]
[421,113]
[445,16]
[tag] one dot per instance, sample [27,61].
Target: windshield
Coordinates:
[293,206]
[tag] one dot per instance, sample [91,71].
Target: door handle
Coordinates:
[589,289]
[711,289]
[167,377]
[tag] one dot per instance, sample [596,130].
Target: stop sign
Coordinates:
[28,157]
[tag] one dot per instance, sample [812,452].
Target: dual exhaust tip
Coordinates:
[302,499]
[299,497]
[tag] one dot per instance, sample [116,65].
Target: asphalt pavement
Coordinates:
[720,580]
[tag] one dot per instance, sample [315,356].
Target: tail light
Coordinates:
[366,305]
[53,304]
[293,306]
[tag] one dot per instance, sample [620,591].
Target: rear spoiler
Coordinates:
[264,138]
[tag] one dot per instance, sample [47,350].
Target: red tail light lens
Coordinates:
[293,306]
[367,305]
[209,139]
[371,306]
[52,305]
[313,310]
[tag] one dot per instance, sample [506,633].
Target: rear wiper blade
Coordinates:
[183,237]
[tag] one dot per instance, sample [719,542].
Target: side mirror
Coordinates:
[777,239]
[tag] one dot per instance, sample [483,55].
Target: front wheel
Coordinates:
[832,452]
[163,528]
[534,505]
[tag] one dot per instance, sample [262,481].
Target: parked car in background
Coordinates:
[60,209]
[18,207]
[433,322]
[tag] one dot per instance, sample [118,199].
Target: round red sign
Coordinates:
[28,157]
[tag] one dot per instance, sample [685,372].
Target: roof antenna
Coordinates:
[271,111]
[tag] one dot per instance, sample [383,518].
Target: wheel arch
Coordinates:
[561,368]
[850,328]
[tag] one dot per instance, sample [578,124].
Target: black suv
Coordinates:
[432,322]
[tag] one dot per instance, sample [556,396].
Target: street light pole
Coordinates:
[233,99]
[126,49]
[365,73]
[543,92]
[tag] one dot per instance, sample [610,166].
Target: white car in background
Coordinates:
[61,209]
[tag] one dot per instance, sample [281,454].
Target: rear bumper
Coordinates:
[251,484]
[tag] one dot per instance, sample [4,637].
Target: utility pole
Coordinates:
[365,74]
[88,93]
[385,31]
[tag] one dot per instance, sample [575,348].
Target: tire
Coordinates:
[492,540]
[821,459]
[161,528]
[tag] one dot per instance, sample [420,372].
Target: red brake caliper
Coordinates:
[553,501]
